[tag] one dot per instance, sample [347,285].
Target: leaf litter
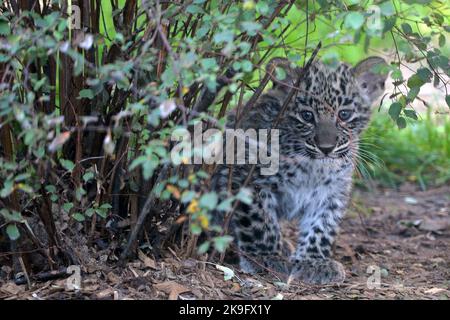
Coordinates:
[413,259]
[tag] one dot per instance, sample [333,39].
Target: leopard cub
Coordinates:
[318,143]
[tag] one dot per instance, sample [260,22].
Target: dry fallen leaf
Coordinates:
[172,288]
[59,141]
[12,288]
[106,293]
[90,288]
[411,200]
[434,224]
[115,279]
[148,262]
[227,272]
[235,287]
[279,296]
[435,290]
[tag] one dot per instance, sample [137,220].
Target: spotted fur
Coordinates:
[318,143]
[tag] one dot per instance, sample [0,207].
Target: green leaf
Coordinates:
[208,200]
[194,9]
[86,93]
[22,176]
[447,99]
[262,8]
[88,176]
[187,196]
[245,196]
[50,188]
[389,23]
[251,27]
[415,81]
[424,74]
[438,18]
[67,164]
[224,36]
[202,174]
[417,1]
[412,94]
[101,213]
[12,231]
[149,167]
[183,183]
[79,193]
[209,63]
[4,58]
[387,8]
[4,28]
[410,114]
[246,66]
[12,216]
[8,188]
[89,212]
[354,20]
[394,110]
[78,217]
[441,40]
[168,77]
[203,247]
[225,205]
[442,62]
[401,122]
[280,73]
[137,162]
[195,229]
[221,243]
[67,206]
[406,28]
[397,75]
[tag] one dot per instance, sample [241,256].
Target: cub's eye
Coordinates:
[344,115]
[308,116]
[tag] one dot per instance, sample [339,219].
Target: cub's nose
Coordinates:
[326,136]
[326,148]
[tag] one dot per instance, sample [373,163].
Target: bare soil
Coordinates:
[393,244]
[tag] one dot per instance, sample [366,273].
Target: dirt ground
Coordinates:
[394,245]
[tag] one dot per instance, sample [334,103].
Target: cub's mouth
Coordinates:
[330,156]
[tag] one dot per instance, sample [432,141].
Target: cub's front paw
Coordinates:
[318,271]
[279,265]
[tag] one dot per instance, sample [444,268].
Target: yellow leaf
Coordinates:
[204,222]
[249,5]
[174,191]
[193,206]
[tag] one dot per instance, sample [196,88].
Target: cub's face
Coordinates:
[331,108]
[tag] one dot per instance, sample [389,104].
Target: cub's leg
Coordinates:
[258,235]
[312,261]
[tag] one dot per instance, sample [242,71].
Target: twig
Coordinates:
[43,276]
[142,216]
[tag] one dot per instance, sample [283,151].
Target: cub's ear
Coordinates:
[283,73]
[371,77]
